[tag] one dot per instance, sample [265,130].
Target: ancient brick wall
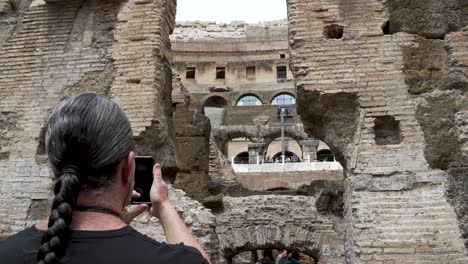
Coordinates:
[290,222]
[355,88]
[120,49]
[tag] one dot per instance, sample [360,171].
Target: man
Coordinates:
[89,144]
[294,258]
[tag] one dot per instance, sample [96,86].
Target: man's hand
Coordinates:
[133,211]
[159,194]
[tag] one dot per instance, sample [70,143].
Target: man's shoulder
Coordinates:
[19,244]
[161,250]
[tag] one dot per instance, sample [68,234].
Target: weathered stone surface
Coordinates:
[66,47]
[331,118]
[395,208]
[290,222]
[437,115]
[428,18]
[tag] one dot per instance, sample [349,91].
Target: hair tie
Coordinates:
[70,169]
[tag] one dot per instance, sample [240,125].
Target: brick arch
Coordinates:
[290,133]
[292,237]
[223,136]
[271,221]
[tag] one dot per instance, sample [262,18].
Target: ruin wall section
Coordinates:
[52,49]
[384,84]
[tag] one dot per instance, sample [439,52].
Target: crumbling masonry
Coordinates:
[382,82]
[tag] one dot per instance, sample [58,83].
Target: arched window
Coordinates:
[242,158]
[288,157]
[284,99]
[249,100]
[325,155]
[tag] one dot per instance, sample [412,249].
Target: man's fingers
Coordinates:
[136,194]
[157,172]
[134,212]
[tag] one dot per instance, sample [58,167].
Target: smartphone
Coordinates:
[143,179]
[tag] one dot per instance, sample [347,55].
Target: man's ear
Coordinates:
[128,168]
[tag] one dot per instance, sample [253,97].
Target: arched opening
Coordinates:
[288,157]
[269,255]
[242,158]
[283,99]
[290,146]
[213,108]
[249,100]
[325,155]
[235,146]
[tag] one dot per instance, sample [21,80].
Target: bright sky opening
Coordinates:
[250,11]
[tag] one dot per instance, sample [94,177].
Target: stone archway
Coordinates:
[271,221]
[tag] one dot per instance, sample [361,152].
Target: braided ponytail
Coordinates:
[94,135]
[56,237]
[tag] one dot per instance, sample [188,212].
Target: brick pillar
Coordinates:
[309,149]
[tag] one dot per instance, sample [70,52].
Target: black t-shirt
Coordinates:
[121,246]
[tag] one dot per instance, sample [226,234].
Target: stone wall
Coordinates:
[273,221]
[119,49]
[285,180]
[204,31]
[396,206]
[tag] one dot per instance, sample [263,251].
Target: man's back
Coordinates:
[120,246]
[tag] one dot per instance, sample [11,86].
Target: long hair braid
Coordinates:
[56,237]
[87,138]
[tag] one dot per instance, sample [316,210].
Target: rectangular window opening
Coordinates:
[220,72]
[190,73]
[250,72]
[281,74]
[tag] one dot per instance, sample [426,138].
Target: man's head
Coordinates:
[268,253]
[88,141]
[295,256]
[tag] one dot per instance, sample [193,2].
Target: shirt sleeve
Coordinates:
[185,255]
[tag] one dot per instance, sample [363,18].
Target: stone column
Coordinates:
[255,152]
[309,149]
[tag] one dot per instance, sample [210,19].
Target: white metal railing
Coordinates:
[282,167]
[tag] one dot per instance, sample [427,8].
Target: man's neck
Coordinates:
[90,221]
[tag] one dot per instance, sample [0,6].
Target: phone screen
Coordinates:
[143,179]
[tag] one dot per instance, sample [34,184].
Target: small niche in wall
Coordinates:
[333,31]
[387,130]
[220,72]
[386,28]
[250,72]
[282,56]
[190,73]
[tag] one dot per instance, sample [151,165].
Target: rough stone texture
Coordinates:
[220,169]
[428,18]
[288,180]
[289,222]
[395,205]
[188,30]
[116,48]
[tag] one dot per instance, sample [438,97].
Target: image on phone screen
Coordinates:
[143,179]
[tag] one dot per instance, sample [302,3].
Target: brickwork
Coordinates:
[204,31]
[288,180]
[291,222]
[395,179]
[115,48]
